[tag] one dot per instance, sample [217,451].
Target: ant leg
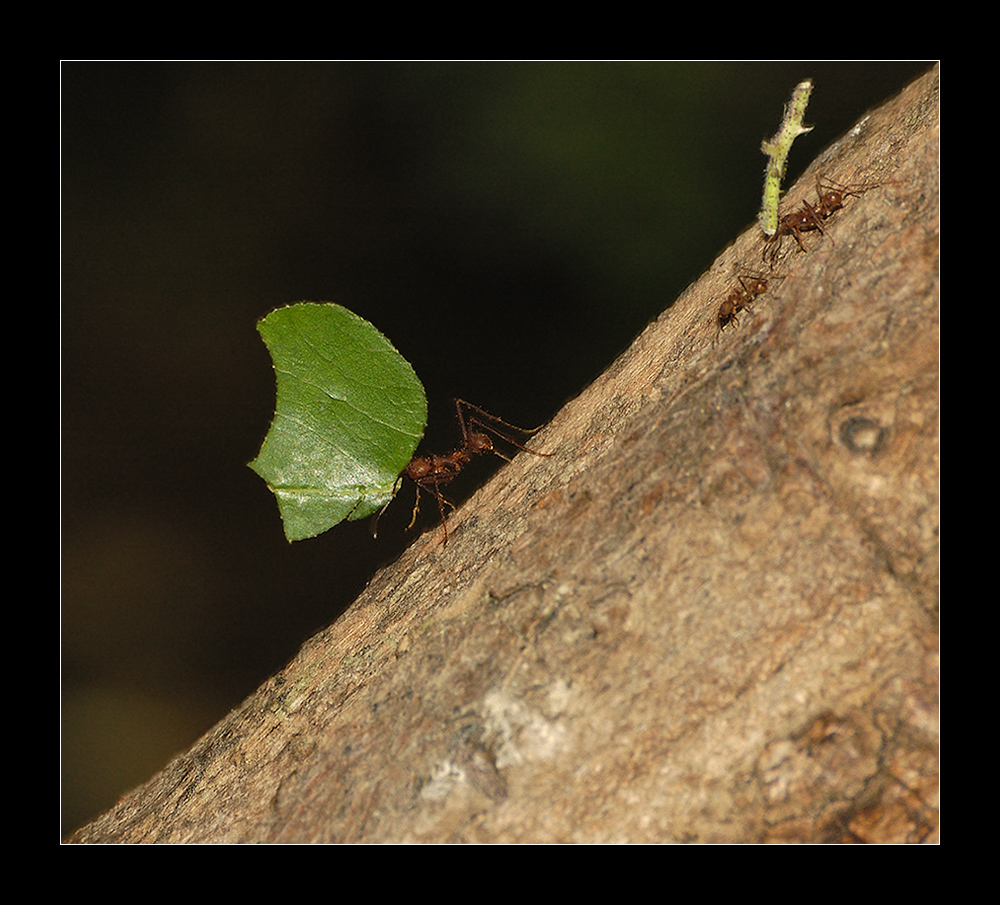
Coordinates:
[442,502]
[772,250]
[416,509]
[494,419]
[378,516]
[444,521]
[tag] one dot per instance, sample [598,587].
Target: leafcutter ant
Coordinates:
[740,298]
[430,472]
[830,197]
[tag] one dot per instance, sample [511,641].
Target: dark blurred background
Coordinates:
[509,226]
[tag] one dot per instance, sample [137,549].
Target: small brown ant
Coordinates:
[830,197]
[739,299]
[430,472]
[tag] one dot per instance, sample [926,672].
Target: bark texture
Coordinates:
[710,616]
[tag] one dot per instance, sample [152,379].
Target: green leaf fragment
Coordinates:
[350,412]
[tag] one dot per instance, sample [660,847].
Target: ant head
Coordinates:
[479,442]
[755,285]
[832,193]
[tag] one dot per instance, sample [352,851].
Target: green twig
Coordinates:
[777,151]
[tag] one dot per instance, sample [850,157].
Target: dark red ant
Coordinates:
[430,472]
[830,197]
[739,299]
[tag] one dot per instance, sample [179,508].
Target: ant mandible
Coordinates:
[430,472]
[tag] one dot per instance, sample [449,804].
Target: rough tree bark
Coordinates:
[709,617]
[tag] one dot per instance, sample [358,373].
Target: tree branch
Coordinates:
[710,616]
